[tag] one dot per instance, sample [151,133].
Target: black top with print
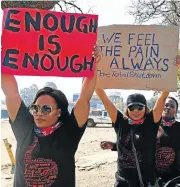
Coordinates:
[168,151]
[46,161]
[145,143]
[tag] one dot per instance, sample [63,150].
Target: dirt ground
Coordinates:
[94,167]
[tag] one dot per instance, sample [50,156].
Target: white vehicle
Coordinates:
[98,117]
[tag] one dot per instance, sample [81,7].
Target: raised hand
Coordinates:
[106,145]
[97,54]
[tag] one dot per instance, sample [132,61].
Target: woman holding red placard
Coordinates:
[47,135]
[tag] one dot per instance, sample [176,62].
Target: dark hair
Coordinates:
[59,97]
[172,98]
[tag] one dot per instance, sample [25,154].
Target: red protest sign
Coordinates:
[47,43]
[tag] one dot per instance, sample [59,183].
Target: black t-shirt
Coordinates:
[145,143]
[46,161]
[168,151]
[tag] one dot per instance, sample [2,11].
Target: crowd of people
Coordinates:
[48,135]
[167,152]
[147,145]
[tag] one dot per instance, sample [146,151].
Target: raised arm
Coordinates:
[82,106]
[159,106]
[10,90]
[111,109]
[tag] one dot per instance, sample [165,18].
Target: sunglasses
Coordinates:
[45,110]
[138,107]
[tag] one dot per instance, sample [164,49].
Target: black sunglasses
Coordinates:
[138,107]
[45,110]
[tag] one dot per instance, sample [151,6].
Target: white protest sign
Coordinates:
[138,57]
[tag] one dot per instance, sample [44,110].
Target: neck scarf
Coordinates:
[136,122]
[47,130]
[168,121]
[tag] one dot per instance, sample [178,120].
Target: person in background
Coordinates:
[47,135]
[136,137]
[168,145]
[120,181]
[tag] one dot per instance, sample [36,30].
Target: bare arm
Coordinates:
[10,90]
[82,106]
[111,109]
[159,106]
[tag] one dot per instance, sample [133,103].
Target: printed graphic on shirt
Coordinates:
[39,172]
[165,157]
[127,158]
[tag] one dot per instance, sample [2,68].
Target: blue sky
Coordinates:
[110,12]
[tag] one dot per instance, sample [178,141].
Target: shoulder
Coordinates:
[150,124]
[120,120]
[23,115]
[23,124]
[176,125]
[71,121]
[120,116]
[150,118]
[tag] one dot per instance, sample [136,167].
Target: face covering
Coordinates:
[47,130]
[136,122]
[168,121]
